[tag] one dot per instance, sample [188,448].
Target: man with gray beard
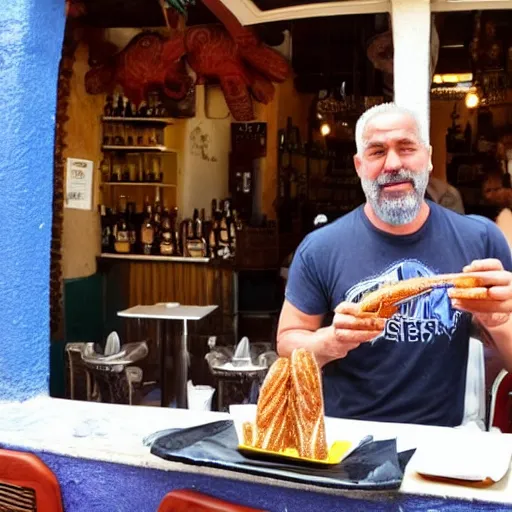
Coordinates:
[410,368]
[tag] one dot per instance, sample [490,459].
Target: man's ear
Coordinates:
[357,164]
[430,166]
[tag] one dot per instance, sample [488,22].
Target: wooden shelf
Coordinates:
[138,184]
[139,149]
[142,257]
[148,120]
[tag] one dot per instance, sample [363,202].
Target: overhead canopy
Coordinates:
[251,12]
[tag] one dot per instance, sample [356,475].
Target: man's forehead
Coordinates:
[391,125]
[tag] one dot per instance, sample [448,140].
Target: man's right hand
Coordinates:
[350,330]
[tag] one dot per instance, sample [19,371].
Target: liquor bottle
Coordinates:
[140,137]
[122,238]
[116,171]
[214,229]
[156,173]
[223,237]
[166,238]
[132,228]
[128,111]
[150,109]
[195,246]
[125,176]
[175,235]
[119,108]
[143,109]
[147,233]
[157,221]
[129,136]
[108,109]
[106,229]
[105,170]
[118,136]
[185,232]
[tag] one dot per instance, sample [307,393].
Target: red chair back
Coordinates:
[192,501]
[500,406]
[27,484]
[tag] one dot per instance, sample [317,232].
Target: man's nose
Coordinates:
[393,162]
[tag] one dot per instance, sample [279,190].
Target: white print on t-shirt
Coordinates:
[420,320]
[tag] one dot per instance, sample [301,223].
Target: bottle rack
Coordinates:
[136,162]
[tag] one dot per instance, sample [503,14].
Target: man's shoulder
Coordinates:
[467,225]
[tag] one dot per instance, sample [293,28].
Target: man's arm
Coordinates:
[297,329]
[347,331]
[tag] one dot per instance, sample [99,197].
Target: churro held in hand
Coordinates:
[383,302]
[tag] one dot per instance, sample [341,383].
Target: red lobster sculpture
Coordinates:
[229,53]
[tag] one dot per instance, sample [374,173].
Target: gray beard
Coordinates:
[402,209]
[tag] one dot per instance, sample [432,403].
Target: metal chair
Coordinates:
[193,501]
[115,375]
[27,484]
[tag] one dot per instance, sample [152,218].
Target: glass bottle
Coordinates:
[147,234]
[122,238]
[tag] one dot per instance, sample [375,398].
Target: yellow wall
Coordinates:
[81,230]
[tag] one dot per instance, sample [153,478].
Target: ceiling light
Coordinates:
[472,99]
[325,129]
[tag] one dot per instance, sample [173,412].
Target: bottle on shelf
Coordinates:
[156,173]
[214,230]
[223,237]
[130,141]
[105,170]
[122,236]
[128,110]
[125,176]
[118,138]
[108,109]
[119,108]
[139,134]
[107,231]
[166,235]
[142,110]
[193,241]
[116,174]
[132,226]
[147,234]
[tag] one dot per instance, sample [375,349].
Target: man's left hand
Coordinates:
[496,309]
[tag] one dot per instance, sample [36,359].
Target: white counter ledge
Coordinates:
[115,433]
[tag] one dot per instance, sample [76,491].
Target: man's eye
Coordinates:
[408,150]
[377,152]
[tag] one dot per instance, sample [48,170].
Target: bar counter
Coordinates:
[133,279]
[98,455]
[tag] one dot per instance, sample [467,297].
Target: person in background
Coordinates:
[441,192]
[410,368]
[499,196]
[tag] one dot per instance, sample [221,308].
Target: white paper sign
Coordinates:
[79,184]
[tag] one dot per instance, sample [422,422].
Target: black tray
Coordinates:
[373,465]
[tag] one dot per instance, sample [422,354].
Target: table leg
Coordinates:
[164,398]
[182,368]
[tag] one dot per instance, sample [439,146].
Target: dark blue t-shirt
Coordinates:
[415,372]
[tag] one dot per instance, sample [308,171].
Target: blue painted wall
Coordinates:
[31,34]
[89,486]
